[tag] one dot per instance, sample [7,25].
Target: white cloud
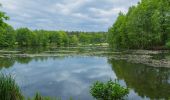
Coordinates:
[107,13]
[87,15]
[80,15]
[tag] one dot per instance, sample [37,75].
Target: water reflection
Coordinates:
[67,76]
[147,81]
[61,77]
[6,62]
[9,62]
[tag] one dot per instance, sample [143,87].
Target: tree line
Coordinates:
[27,37]
[144,26]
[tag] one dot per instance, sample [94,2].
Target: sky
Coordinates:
[68,15]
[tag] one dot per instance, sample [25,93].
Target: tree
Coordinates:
[2,18]
[84,38]
[42,37]
[10,36]
[117,34]
[3,25]
[55,38]
[164,10]
[24,37]
[145,26]
[64,37]
[74,40]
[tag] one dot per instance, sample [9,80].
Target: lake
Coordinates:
[67,72]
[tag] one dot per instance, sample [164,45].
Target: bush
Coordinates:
[9,90]
[108,91]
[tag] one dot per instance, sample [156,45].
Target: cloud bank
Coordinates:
[69,15]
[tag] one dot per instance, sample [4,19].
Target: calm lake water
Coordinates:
[71,75]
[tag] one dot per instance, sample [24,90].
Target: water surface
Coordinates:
[71,76]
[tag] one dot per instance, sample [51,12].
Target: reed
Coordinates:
[9,90]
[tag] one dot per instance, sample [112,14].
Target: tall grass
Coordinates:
[9,90]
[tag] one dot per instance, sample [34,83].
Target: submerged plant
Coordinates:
[108,91]
[9,90]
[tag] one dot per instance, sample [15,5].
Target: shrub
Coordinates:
[9,90]
[108,91]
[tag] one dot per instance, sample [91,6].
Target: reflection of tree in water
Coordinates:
[48,57]
[32,50]
[6,62]
[23,60]
[40,59]
[146,81]
[9,62]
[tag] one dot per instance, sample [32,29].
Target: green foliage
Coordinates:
[168,45]
[9,36]
[5,31]
[2,18]
[24,37]
[108,91]
[9,90]
[84,38]
[145,26]
[41,38]
[92,37]
[74,40]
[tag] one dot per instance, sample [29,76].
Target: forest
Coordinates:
[145,26]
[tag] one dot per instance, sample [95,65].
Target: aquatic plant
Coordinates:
[9,90]
[108,91]
[39,97]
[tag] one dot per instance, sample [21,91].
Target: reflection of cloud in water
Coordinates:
[70,76]
[102,72]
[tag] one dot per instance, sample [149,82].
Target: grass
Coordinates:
[9,90]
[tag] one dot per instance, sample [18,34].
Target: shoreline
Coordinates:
[146,57]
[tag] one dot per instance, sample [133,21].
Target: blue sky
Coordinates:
[68,15]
